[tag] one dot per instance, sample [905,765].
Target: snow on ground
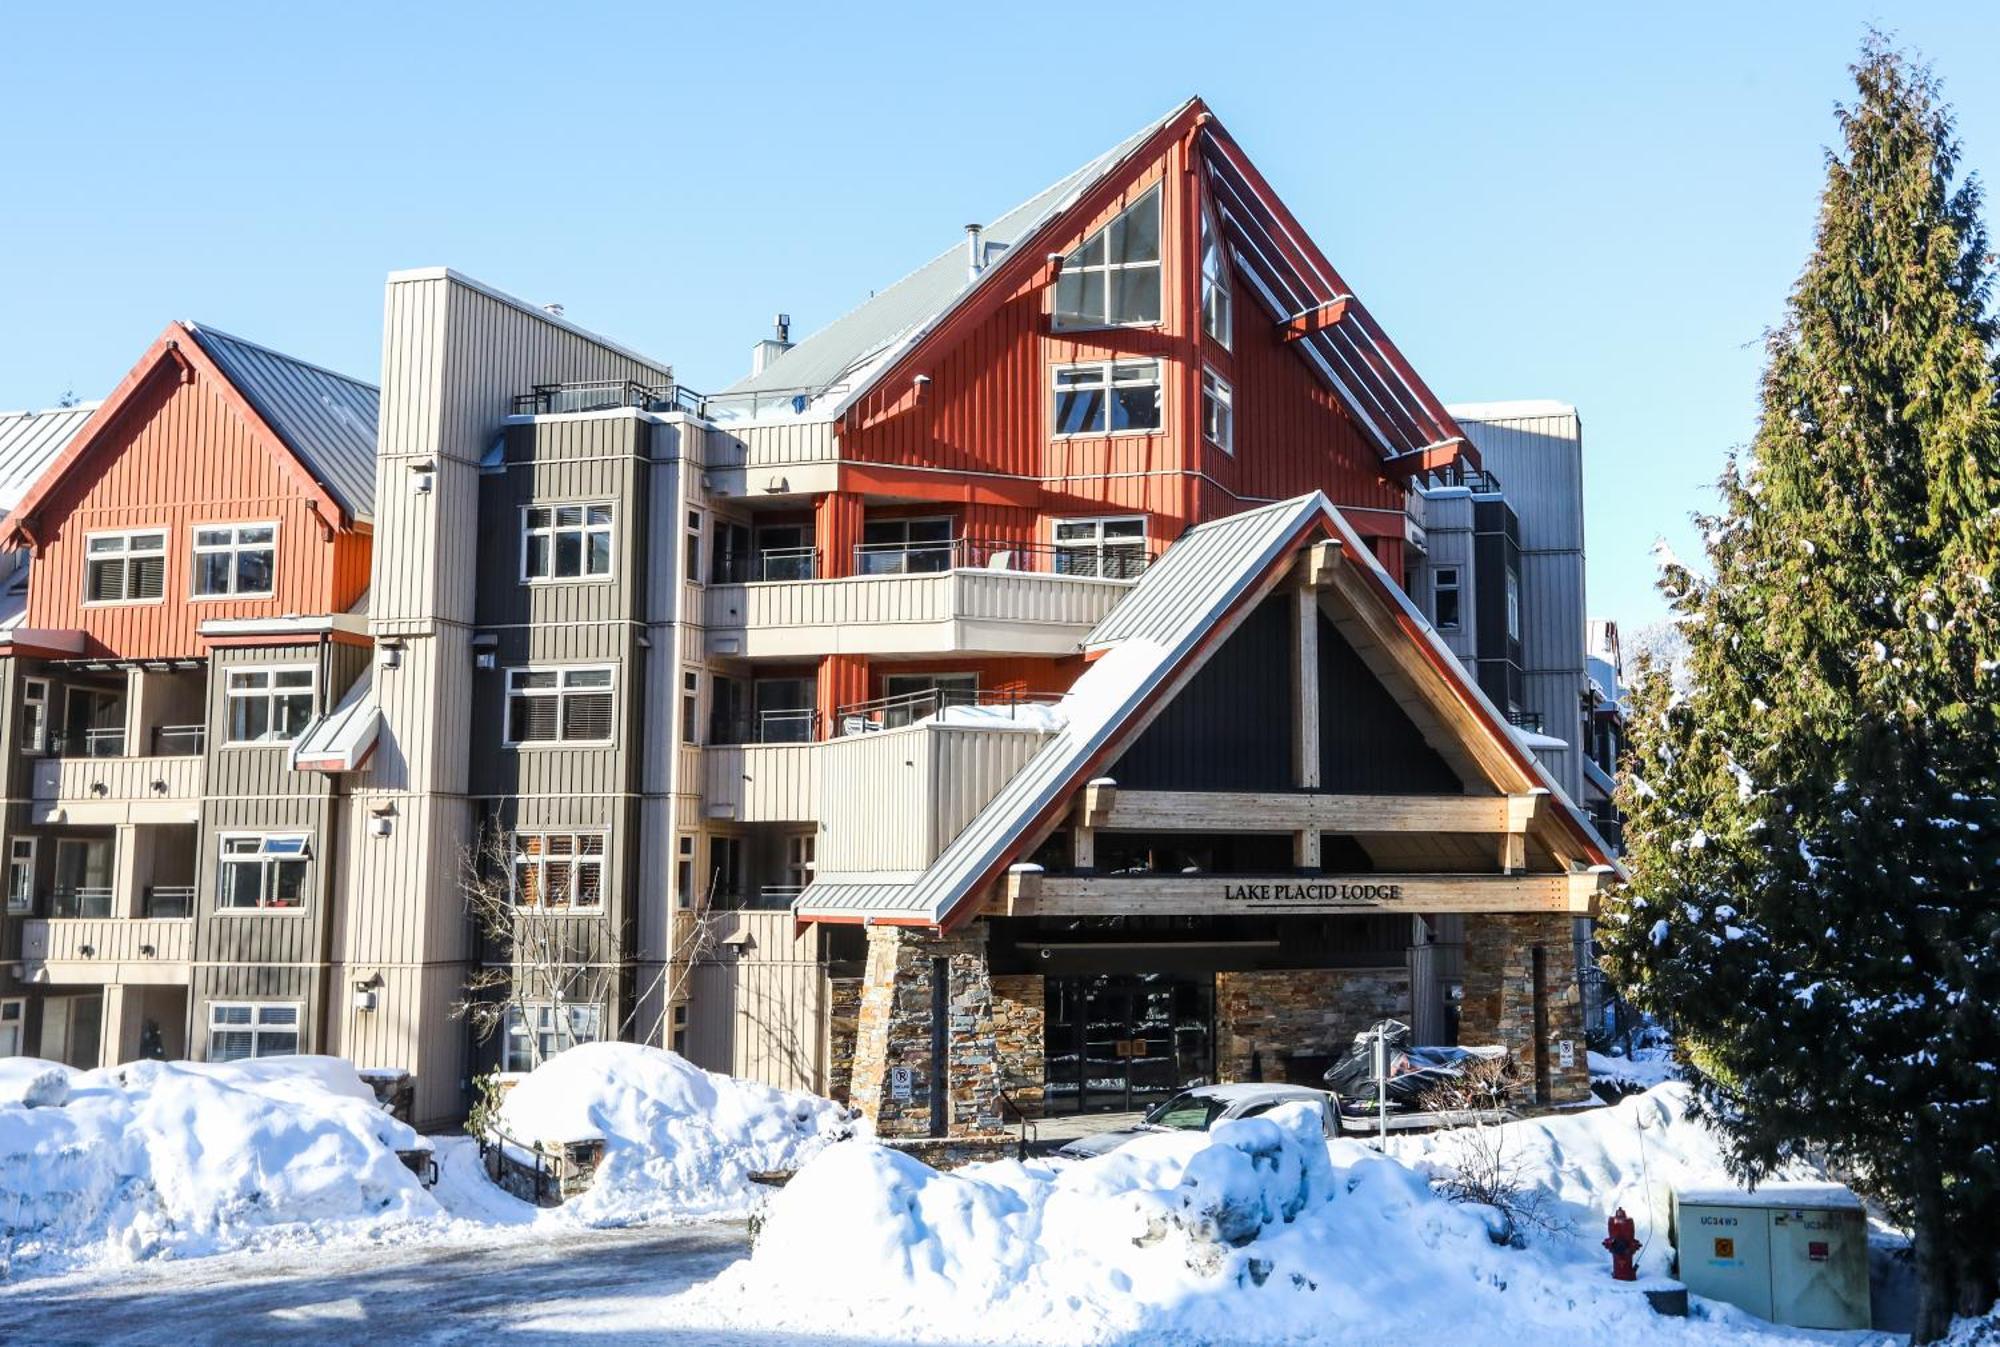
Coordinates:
[159,1158]
[1261,1230]
[680,1142]
[1644,1069]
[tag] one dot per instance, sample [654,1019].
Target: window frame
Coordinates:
[684,860]
[1217,283]
[1099,545]
[690,704]
[1109,370]
[166,535]
[576,859]
[36,692]
[583,530]
[1107,268]
[693,526]
[23,903]
[1456,588]
[196,551]
[558,693]
[270,691]
[268,861]
[256,1028]
[512,1027]
[1217,391]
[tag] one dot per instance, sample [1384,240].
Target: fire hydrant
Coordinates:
[1624,1248]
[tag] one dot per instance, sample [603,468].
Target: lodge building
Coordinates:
[1094,664]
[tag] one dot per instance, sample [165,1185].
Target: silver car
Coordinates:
[1199,1109]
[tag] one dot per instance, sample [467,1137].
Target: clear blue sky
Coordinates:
[1604,204]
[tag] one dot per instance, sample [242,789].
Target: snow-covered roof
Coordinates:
[837,359]
[342,739]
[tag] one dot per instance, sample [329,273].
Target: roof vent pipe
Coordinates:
[769,349]
[975,252]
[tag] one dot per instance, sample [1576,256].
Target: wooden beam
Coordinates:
[1099,798]
[1306,848]
[1305,689]
[1321,562]
[1083,847]
[1316,319]
[1038,895]
[1287,811]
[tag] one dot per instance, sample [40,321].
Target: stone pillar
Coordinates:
[843,1015]
[1019,1033]
[1500,1004]
[898,1025]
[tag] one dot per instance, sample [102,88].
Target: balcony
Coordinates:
[972,706]
[957,597]
[103,786]
[763,782]
[83,940]
[598,395]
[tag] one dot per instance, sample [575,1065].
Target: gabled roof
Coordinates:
[324,423]
[326,419]
[1189,600]
[837,359]
[30,441]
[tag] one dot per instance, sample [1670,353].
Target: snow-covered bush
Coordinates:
[678,1141]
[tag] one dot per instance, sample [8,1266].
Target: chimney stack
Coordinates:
[769,349]
[975,251]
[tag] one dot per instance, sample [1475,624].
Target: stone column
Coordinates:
[897,1027]
[1500,1003]
[1020,1032]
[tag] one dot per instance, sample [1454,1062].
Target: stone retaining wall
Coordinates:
[1277,1024]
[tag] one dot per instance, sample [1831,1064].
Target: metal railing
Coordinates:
[169,900]
[179,741]
[1117,561]
[72,901]
[765,565]
[1526,720]
[597,395]
[777,897]
[767,727]
[890,713]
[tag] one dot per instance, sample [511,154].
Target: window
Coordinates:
[269,706]
[566,542]
[125,567]
[525,1044]
[242,1029]
[725,871]
[690,705]
[21,874]
[684,870]
[680,1039]
[691,558]
[1216,314]
[571,706]
[13,1019]
[799,859]
[262,870]
[1513,604]
[559,870]
[1113,280]
[34,715]
[1444,598]
[234,559]
[1115,397]
[1218,412]
[1113,549]
[904,546]
[914,697]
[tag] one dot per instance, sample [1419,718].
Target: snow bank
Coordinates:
[1261,1230]
[1644,1069]
[678,1141]
[167,1159]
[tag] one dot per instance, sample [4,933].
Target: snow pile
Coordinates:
[1047,717]
[1259,1230]
[159,1158]
[678,1141]
[1644,1069]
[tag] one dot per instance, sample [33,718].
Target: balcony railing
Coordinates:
[891,713]
[165,741]
[73,901]
[169,900]
[778,897]
[1123,561]
[596,395]
[765,565]
[766,727]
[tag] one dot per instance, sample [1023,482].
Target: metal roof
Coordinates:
[341,740]
[892,319]
[326,419]
[30,441]
[1145,640]
[1158,625]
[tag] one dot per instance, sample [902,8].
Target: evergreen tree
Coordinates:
[1814,816]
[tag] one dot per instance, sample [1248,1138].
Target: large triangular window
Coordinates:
[1113,280]
[1216,317]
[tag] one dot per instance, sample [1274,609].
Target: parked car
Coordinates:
[1200,1108]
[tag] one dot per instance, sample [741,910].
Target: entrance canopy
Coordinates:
[1215,600]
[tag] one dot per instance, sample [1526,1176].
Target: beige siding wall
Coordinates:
[118,790]
[763,783]
[893,800]
[760,1013]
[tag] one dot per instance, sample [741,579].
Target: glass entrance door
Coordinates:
[1116,1042]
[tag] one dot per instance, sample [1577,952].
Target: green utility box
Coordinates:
[1793,1253]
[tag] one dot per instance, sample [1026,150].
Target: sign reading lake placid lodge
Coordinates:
[1280,893]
